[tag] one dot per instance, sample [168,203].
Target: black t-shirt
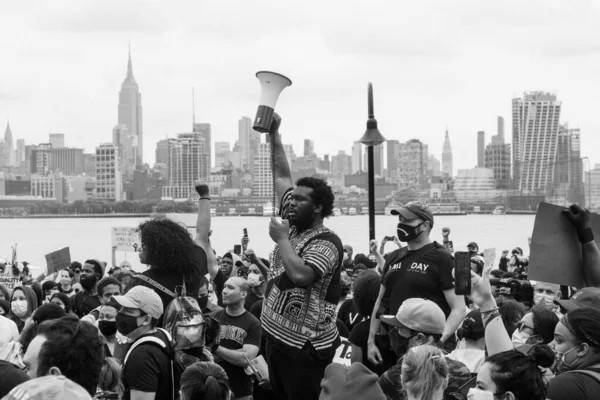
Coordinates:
[148,369]
[349,314]
[83,303]
[359,337]
[574,386]
[423,273]
[250,300]
[11,376]
[219,284]
[235,333]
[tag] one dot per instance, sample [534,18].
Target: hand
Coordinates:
[245,241]
[373,246]
[279,229]
[114,248]
[579,216]
[504,253]
[251,256]
[202,189]
[275,124]
[481,289]
[445,232]
[397,241]
[385,240]
[373,354]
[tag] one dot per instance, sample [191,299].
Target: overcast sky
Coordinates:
[432,63]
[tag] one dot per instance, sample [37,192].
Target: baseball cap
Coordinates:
[473,244]
[414,209]
[586,297]
[355,381]
[474,321]
[142,298]
[48,387]
[420,315]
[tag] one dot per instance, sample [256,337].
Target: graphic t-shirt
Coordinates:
[293,315]
[424,273]
[235,333]
[349,314]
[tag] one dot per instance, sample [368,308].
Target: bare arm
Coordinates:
[203,222]
[591,263]
[580,219]
[356,355]
[457,313]
[373,353]
[283,173]
[114,256]
[137,395]
[236,357]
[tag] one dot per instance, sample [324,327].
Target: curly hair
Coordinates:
[169,245]
[321,195]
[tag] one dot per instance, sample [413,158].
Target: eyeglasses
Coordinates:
[521,325]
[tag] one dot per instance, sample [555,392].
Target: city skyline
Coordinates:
[462,54]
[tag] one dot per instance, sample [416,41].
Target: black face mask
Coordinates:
[399,343]
[89,282]
[107,328]
[408,233]
[203,302]
[126,324]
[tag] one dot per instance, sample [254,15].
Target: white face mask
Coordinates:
[19,308]
[253,279]
[346,256]
[519,338]
[478,394]
[544,299]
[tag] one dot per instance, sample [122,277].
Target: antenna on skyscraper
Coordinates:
[193,109]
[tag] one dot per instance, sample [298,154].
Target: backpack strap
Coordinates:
[592,374]
[156,285]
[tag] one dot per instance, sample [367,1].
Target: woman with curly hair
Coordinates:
[173,257]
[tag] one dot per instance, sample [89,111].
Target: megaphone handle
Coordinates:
[272,140]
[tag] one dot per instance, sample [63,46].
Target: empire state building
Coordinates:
[130,114]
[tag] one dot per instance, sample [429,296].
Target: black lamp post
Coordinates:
[372,137]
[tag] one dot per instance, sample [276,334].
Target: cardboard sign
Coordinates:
[343,353]
[126,238]
[490,256]
[57,260]
[9,282]
[555,249]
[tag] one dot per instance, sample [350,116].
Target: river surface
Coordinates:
[91,238]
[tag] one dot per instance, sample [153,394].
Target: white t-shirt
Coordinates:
[8,330]
[472,358]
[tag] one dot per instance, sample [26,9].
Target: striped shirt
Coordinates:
[293,315]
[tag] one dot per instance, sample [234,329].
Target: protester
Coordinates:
[512,312]
[48,289]
[239,338]
[427,273]
[258,285]
[61,300]
[23,303]
[586,297]
[46,312]
[424,373]
[472,332]
[348,261]
[76,268]
[147,369]
[4,293]
[107,325]
[49,387]
[537,326]
[124,276]
[298,313]
[349,383]
[88,299]
[110,385]
[10,376]
[206,381]
[107,288]
[580,219]
[364,260]
[345,290]
[9,332]
[473,249]
[204,297]
[64,279]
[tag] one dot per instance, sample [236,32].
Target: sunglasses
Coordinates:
[521,325]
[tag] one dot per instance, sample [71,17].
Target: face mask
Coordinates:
[561,364]
[399,343]
[19,307]
[346,256]
[478,394]
[203,302]
[126,324]
[107,328]
[544,299]
[254,280]
[520,338]
[408,233]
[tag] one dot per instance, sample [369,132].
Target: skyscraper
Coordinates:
[57,140]
[357,157]
[341,164]
[127,146]
[447,168]
[162,151]
[480,149]
[568,169]
[204,129]
[40,159]
[378,159]
[434,169]
[9,148]
[68,161]
[222,154]
[130,113]
[501,127]
[393,153]
[20,152]
[413,164]
[109,185]
[187,164]
[262,178]
[309,148]
[535,140]
[497,158]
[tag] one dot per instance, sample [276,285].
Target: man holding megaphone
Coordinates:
[299,310]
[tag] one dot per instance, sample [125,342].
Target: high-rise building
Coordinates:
[341,164]
[377,159]
[357,157]
[130,113]
[51,186]
[480,149]
[57,140]
[10,156]
[222,154]
[162,151]
[593,188]
[501,127]
[393,152]
[20,151]
[66,160]
[248,141]
[262,178]
[535,140]
[40,159]
[204,129]
[127,146]
[413,163]
[187,164]
[497,158]
[309,148]
[568,168]
[434,169]
[109,185]
[447,168]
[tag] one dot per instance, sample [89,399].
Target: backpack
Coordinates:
[182,318]
[167,346]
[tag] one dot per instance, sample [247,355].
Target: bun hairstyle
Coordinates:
[520,374]
[472,327]
[424,372]
[204,380]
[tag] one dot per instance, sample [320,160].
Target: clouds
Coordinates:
[433,63]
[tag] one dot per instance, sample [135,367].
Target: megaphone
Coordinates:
[271,84]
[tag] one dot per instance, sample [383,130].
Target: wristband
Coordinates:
[205,198]
[585,235]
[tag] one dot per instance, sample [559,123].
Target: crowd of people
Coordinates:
[198,325]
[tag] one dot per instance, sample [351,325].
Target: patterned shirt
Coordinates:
[293,315]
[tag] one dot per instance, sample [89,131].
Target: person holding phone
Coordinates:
[423,269]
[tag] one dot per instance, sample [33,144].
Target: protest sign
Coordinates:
[125,238]
[343,353]
[555,249]
[489,256]
[9,282]
[57,260]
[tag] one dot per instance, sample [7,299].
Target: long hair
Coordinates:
[169,245]
[110,377]
[205,380]
[424,372]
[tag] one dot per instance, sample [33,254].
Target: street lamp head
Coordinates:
[372,136]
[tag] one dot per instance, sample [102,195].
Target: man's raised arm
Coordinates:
[281,168]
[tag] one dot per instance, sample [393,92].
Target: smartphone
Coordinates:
[462,272]
[245,232]
[237,249]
